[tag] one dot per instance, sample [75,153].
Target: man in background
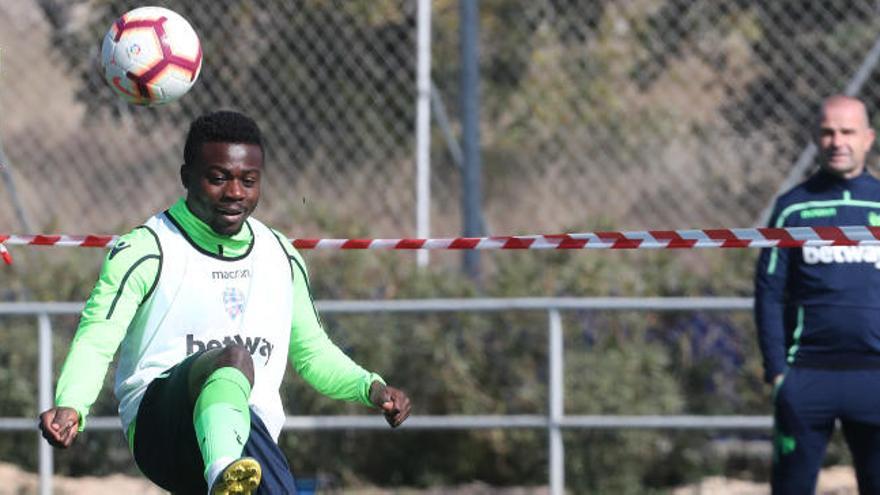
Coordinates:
[817,311]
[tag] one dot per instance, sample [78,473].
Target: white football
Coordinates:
[151,56]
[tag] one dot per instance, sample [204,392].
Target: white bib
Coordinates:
[203,302]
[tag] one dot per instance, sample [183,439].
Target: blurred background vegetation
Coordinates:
[596,115]
[486,363]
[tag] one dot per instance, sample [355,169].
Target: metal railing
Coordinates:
[554,421]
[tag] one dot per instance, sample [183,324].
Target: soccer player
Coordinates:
[206,304]
[817,311]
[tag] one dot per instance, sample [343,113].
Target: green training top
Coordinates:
[130,273]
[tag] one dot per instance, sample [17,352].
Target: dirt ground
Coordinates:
[838,480]
[18,482]
[832,481]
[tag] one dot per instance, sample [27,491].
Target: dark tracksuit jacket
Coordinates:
[819,307]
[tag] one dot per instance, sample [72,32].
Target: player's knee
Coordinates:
[236,356]
[233,355]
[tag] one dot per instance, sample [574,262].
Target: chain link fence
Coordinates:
[330,84]
[596,114]
[623,115]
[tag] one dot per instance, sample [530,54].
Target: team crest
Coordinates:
[873,219]
[233,301]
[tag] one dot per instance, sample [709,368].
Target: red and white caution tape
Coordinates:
[99,241]
[4,253]
[650,239]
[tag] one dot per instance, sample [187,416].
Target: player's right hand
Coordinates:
[60,426]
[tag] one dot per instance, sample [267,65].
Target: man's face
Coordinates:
[223,187]
[844,138]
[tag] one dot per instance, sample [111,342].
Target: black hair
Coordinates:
[224,126]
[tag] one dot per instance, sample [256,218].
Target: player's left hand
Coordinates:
[394,403]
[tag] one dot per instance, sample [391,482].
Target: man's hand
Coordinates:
[393,402]
[60,426]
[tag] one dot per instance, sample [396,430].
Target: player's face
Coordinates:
[844,138]
[223,188]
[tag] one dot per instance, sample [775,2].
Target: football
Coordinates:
[151,56]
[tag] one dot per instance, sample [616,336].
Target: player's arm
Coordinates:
[128,275]
[323,365]
[771,274]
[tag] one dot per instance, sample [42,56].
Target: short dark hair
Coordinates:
[223,126]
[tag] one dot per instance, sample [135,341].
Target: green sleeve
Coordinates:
[127,277]
[313,355]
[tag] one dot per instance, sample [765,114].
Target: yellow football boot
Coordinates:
[241,477]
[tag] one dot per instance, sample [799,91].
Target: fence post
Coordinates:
[423,127]
[557,451]
[44,343]
[471,180]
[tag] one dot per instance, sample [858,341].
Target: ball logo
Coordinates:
[134,50]
[233,301]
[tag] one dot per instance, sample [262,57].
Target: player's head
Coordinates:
[844,136]
[222,168]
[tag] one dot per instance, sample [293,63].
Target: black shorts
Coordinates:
[165,447]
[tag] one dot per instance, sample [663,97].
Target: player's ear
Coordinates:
[184,176]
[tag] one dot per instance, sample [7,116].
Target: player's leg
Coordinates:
[220,382]
[804,420]
[277,478]
[164,443]
[864,443]
[861,426]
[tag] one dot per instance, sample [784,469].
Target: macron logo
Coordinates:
[230,274]
[254,345]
